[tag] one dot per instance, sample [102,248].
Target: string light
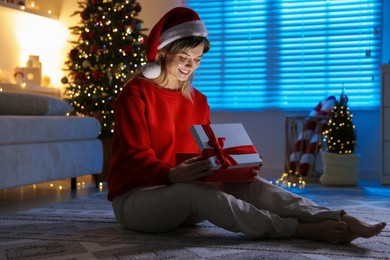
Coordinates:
[287,182]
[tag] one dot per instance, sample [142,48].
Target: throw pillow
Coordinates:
[32,104]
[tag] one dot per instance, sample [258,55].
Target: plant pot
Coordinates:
[340,169]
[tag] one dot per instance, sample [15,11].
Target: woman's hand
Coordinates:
[190,170]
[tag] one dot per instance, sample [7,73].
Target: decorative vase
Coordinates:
[340,169]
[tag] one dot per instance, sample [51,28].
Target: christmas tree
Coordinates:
[109,49]
[340,135]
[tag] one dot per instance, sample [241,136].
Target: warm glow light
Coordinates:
[44,37]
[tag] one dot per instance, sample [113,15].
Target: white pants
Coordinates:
[258,210]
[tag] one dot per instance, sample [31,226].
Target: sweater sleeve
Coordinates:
[133,161]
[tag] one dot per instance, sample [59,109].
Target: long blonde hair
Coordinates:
[177,46]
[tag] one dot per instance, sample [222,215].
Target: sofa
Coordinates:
[40,142]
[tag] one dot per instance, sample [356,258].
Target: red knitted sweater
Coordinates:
[152,124]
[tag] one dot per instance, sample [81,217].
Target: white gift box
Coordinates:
[235,137]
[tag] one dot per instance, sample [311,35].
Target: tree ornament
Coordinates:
[97,75]
[95,3]
[79,78]
[86,14]
[94,49]
[138,26]
[128,50]
[132,22]
[137,8]
[104,30]
[86,36]
[98,115]
[121,14]
[74,53]
[64,80]
[109,76]
[86,64]
[111,101]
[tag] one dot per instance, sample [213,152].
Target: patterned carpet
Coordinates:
[85,228]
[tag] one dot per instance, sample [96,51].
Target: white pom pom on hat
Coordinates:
[180,22]
[151,70]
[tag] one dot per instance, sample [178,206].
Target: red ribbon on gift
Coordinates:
[223,155]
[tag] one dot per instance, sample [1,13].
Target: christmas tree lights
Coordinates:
[340,135]
[109,49]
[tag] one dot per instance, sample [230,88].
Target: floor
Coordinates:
[36,195]
[86,228]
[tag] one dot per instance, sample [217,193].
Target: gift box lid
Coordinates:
[226,145]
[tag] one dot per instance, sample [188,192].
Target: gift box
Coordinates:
[229,149]
[226,145]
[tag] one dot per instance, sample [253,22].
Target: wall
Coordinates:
[152,10]
[23,34]
[265,128]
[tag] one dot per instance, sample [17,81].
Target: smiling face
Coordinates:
[180,66]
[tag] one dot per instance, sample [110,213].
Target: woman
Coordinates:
[153,115]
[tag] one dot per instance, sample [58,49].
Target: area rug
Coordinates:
[85,228]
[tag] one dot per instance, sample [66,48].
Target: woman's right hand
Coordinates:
[190,170]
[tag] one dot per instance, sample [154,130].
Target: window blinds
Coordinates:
[288,54]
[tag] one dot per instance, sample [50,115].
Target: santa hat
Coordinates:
[178,23]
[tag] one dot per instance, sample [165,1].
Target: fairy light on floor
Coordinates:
[287,182]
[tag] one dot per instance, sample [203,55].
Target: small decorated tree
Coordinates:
[340,135]
[110,47]
[340,162]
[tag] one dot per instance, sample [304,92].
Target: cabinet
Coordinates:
[385,123]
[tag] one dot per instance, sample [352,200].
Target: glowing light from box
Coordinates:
[46,38]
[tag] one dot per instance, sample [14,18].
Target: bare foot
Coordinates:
[331,231]
[359,228]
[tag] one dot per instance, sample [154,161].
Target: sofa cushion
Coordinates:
[25,164]
[32,104]
[37,129]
